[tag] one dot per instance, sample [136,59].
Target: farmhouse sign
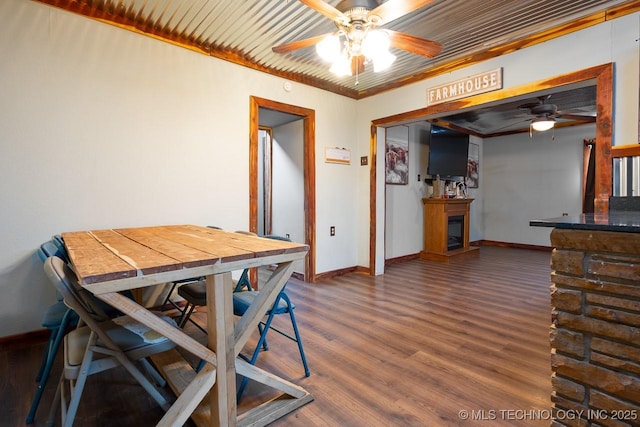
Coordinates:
[473,85]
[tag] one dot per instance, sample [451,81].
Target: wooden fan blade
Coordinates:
[528,106]
[357,65]
[394,9]
[299,44]
[325,9]
[578,117]
[414,44]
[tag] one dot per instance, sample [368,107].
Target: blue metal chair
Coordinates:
[242,300]
[57,318]
[243,297]
[195,295]
[282,305]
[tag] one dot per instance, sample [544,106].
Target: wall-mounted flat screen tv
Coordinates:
[448,152]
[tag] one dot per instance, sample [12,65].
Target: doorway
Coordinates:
[265,179]
[600,76]
[307,116]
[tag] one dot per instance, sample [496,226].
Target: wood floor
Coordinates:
[413,347]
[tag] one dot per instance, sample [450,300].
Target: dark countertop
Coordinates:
[628,222]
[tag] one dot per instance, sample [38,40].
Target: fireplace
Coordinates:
[455,232]
[446,229]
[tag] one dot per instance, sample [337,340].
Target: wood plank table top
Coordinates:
[109,255]
[109,261]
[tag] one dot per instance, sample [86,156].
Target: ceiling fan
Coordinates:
[359,39]
[545,114]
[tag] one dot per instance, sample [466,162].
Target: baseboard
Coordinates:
[27,338]
[475,243]
[511,245]
[401,259]
[341,272]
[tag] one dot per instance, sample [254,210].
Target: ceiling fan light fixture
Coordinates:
[374,46]
[329,48]
[342,66]
[376,43]
[383,61]
[364,43]
[542,124]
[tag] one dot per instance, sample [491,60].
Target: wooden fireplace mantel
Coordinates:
[436,219]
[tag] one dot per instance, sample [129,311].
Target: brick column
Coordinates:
[595,332]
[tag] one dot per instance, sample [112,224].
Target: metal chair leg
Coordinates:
[50,356]
[70,409]
[168,298]
[299,342]
[186,315]
[256,352]
[56,403]
[47,350]
[265,345]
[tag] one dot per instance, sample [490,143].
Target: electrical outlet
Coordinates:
[332,231]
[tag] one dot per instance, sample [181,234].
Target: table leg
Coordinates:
[220,337]
[190,398]
[193,394]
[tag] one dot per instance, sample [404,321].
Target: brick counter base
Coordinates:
[595,332]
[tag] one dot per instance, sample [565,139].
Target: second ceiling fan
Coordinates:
[359,38]
[544,114]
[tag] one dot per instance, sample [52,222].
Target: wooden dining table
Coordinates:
[114,260]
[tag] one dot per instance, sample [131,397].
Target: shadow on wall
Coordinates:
[24,289]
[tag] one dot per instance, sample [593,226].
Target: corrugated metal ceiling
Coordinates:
[245,31]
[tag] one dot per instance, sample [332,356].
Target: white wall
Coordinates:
[476,219]
[613,41]
[101,127]
[526,178]
[288,183]
[403,203]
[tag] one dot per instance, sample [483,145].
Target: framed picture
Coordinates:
[396,162]
[473,166]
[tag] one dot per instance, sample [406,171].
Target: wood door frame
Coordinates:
[309,141]
[602,77]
